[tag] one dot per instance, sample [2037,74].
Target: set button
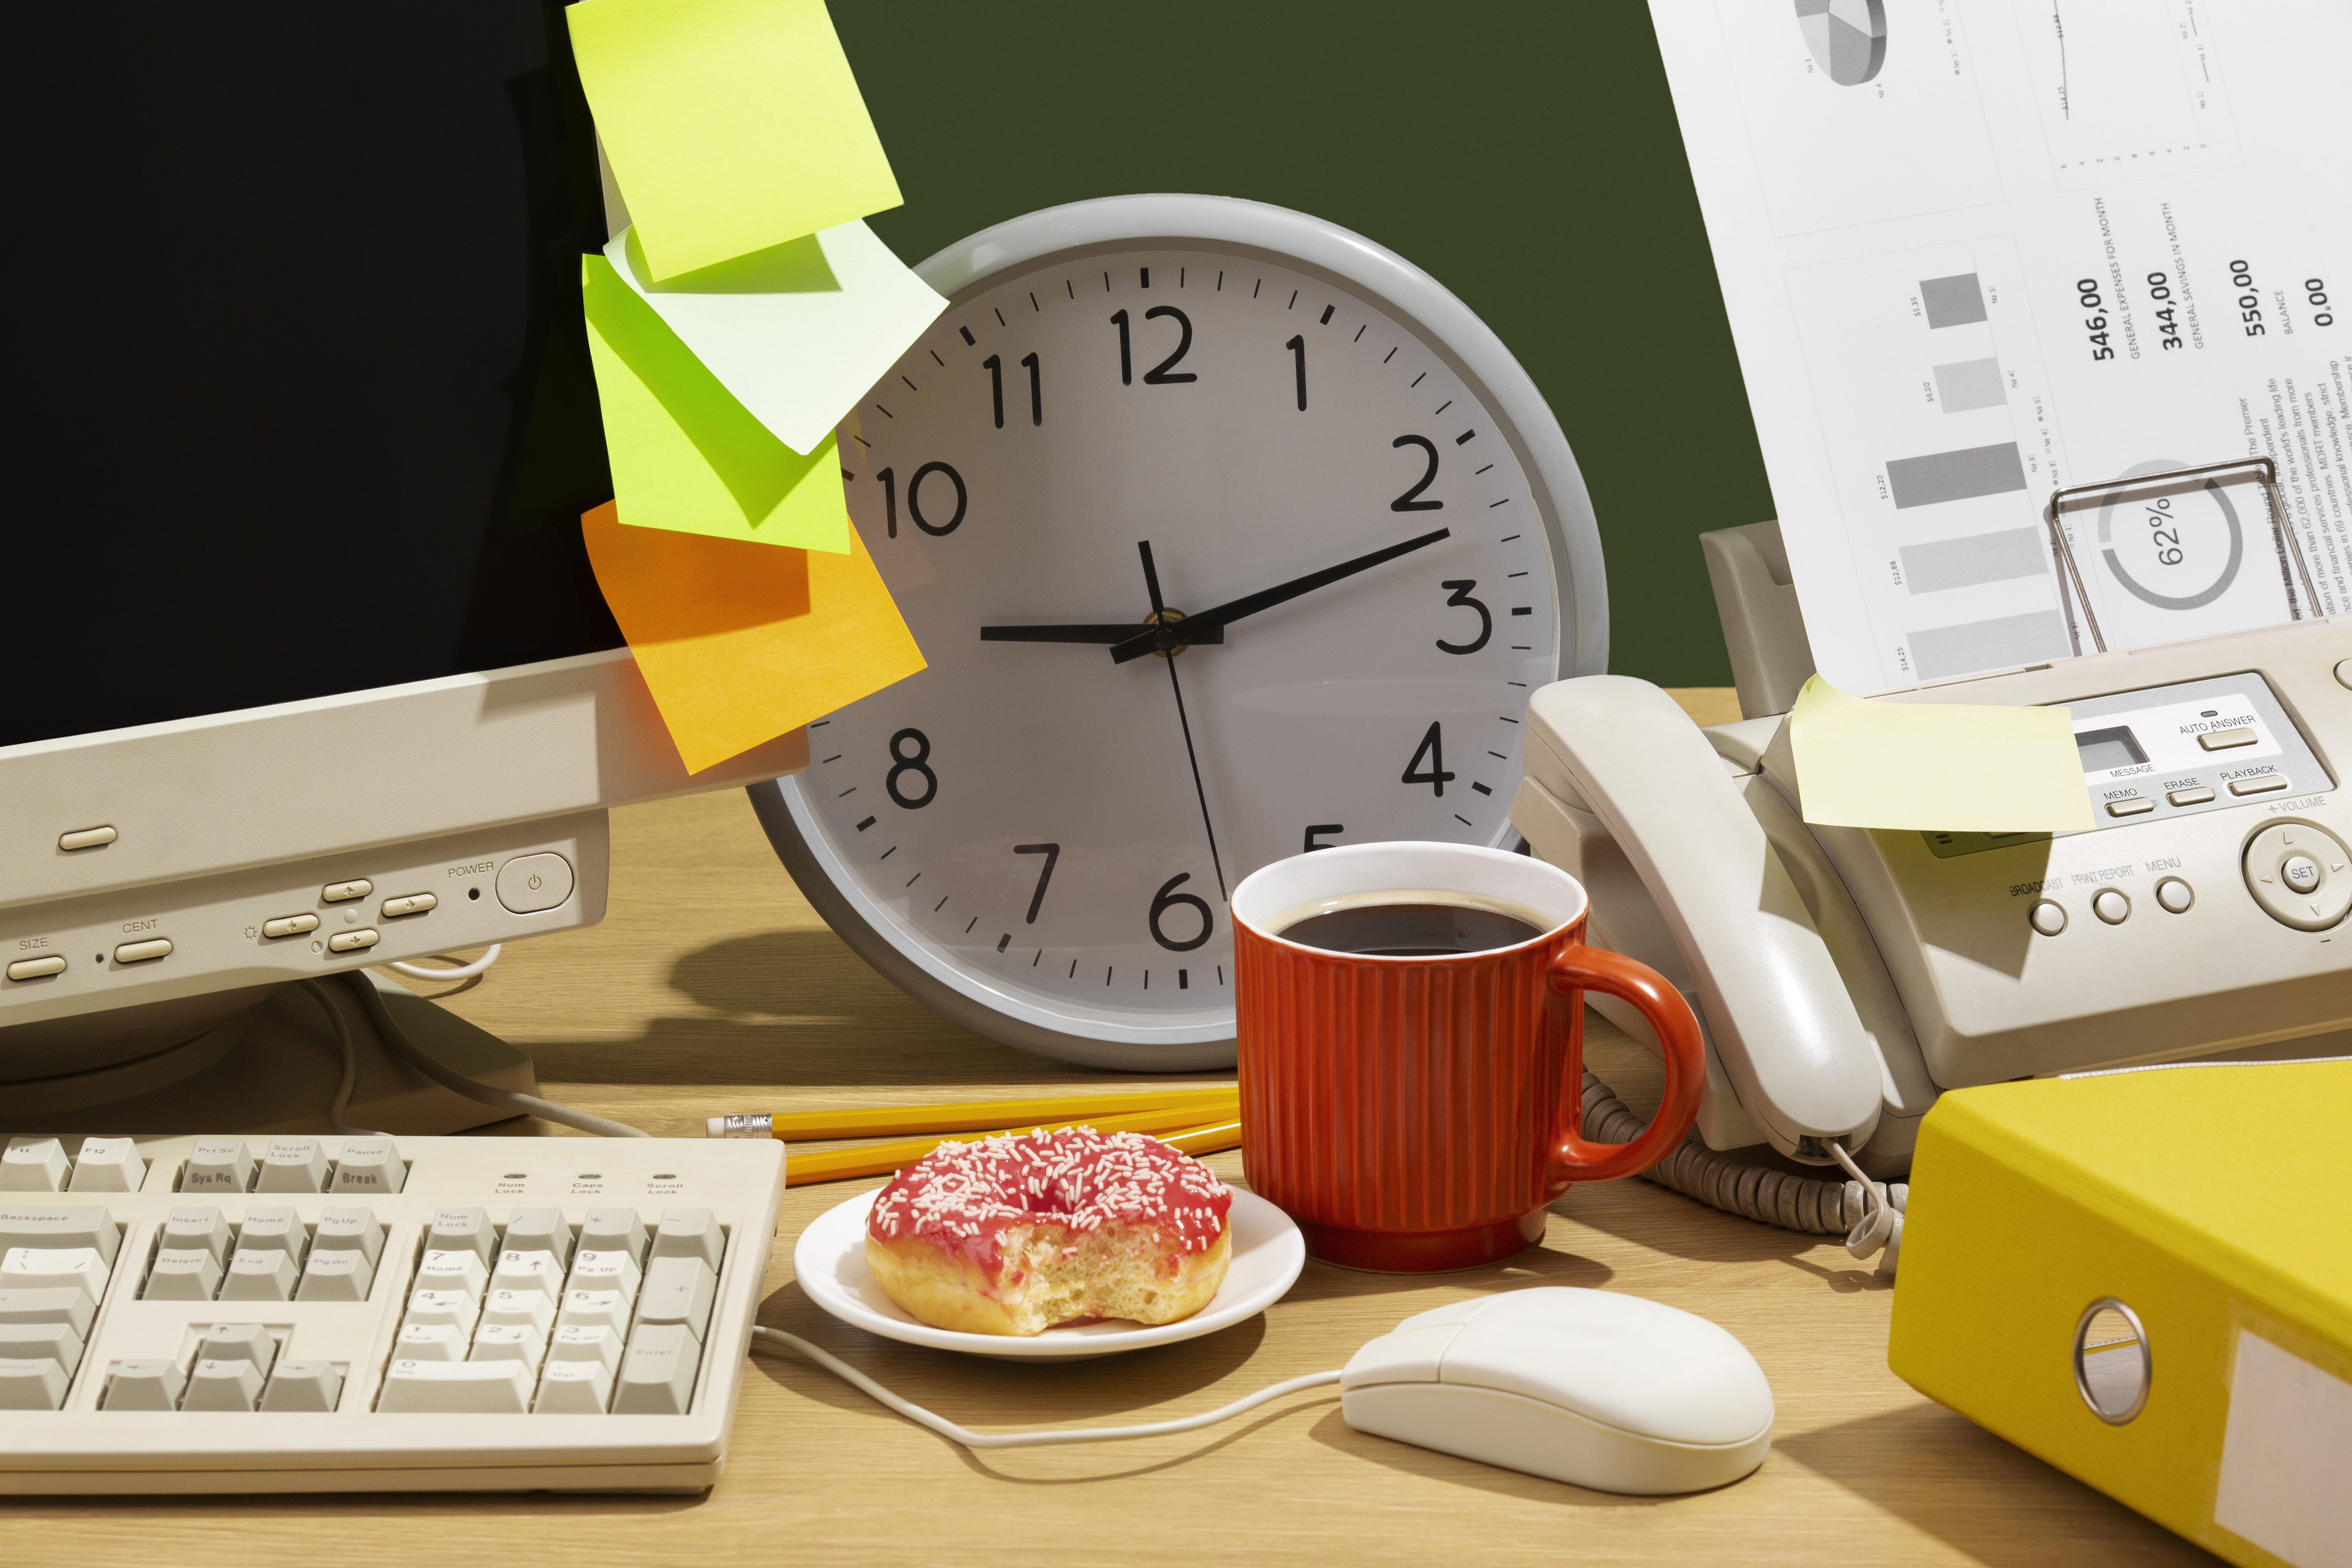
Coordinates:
[2299,874]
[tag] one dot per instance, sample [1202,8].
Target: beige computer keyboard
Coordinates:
[376,1314]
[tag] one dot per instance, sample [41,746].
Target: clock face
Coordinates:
[1061,827]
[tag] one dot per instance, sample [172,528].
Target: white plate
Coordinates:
[829,1260]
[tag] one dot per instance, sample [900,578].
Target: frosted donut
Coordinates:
[1013,1235]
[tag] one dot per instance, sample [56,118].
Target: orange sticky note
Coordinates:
[739,642]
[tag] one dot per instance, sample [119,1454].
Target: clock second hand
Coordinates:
[1152,583]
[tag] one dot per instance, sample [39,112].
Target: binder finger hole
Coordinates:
[2112,1363]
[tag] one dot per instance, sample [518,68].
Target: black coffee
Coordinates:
[1411,930]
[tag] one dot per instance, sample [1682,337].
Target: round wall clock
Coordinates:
[1228,535]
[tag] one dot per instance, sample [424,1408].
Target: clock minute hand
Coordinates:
[1199,627]
[1118,631]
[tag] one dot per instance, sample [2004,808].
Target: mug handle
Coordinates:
[1579,969]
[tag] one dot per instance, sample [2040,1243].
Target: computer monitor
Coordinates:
[308,670]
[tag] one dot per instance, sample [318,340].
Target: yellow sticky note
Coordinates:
[1938,768]
[739,644]
[730,125]
[687,456]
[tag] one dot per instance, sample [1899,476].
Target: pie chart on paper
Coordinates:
[1848,37]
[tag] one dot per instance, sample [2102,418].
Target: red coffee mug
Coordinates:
[1418,1114]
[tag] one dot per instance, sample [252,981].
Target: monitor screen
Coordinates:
[304,391]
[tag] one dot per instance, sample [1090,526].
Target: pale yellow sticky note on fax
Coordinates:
[1935,767]
[730,125]
[739,643]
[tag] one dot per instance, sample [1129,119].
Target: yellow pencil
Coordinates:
[1177,1122]
[970,1116]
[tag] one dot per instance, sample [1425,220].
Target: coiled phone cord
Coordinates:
[1864,1213]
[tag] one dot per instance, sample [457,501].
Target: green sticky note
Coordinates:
[730,125]
[685,455]
[1936,767]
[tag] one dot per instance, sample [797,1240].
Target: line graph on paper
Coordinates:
[2126,89]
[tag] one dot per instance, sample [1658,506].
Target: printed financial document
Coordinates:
[1976,250]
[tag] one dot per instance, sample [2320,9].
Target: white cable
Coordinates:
[457,972]
[953,1433]
[507,1100]
[341,1102]
[1881,1229]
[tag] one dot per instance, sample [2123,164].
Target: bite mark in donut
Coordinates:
[1014,1235]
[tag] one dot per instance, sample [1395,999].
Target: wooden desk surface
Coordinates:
[713,987]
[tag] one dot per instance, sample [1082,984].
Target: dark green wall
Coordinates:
[1523,152]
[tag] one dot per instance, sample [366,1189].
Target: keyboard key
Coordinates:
[222,1386]
[33,1383]
[368,1165]
[430,1341]
[349,1228]
[458,1270]
[509,1341]
[182,1274]
[239,1341]
[217,1166]
[456,1308]
[108,1165]
[456,1387]
[605,1271]
[594,1309]
[529,1308]
[528,1271]
[678,1290]
[572,1388]
[63,1305]
[273,1227]
[302,1385]
[455,1228]
[336,1277]
[31,1341]
[143,1385]
[689,1233]
[657,1375]
[259,1274]
[42,1268]
[64,1225]
[34,1164]
[539,1230]
[614,1230]
[293,1165]
[583,1341]
[197,1227]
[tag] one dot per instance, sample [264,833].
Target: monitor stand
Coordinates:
[274,1066]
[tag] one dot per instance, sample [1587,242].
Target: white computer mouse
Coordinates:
[1591,1387]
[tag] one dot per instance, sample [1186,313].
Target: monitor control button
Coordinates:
[293,925]
[2048,918]
[2189,796]
[352,940]
[529,883]
[2111,906]
[2343,673]
[2174,895]
[34,968]
[2225,740]
[2301,875]
[144,952]
[2263,784]
[344,893]
[86,839]
[414,904]
[2132,807]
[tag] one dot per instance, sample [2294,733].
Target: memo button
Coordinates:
[529,883]
[2048,918]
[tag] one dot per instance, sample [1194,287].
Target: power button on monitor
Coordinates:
[529,883]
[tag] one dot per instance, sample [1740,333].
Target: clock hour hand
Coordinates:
[1098,634]
[1199,627]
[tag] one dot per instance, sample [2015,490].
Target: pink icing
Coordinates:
[961,1196]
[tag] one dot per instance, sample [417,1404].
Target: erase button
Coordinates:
[529,883]
[2225,740]
[2189,796]
[2262,785]
[33,968]
[142,951]
[2048,918]
[2135,807]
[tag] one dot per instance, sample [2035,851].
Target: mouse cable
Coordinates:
[357,985]
[955,1434]
[454,972]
